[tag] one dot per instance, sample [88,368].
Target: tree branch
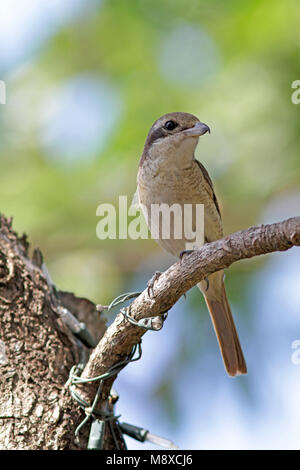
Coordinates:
[121,336]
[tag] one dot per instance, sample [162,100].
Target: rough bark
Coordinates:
[37,350]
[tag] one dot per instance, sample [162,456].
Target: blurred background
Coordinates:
[85,79]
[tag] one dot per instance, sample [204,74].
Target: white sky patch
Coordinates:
[26,24]
[78,119]
[282,282]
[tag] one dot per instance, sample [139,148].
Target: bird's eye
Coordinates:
[170,125]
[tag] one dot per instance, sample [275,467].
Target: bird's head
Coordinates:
[173,138]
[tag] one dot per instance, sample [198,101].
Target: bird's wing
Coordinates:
[210,186]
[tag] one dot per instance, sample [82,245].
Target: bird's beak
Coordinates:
[199,129]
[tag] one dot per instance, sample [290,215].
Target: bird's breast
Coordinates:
[164,185]
[183,187]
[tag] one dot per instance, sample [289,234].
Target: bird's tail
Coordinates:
[220,312]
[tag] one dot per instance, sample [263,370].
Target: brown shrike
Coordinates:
[169,173]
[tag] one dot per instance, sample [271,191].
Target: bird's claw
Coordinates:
[151,283]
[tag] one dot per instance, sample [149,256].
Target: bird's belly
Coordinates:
[176,218]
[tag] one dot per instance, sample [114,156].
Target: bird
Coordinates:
[170,174]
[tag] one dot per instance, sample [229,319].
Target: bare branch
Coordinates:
[121,336]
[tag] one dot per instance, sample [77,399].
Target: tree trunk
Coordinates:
[37,351]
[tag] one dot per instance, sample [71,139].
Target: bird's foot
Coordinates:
[151,283]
